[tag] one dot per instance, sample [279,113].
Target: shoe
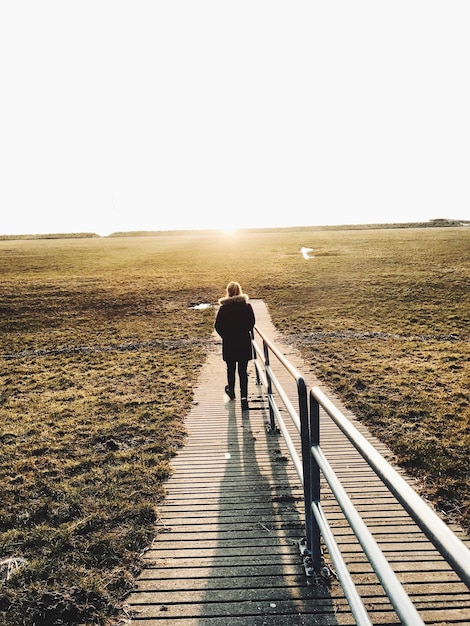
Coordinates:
[244,404]
[230,393]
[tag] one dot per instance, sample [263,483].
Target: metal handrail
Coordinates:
[451,548]
[316,524]
[454,551]
[266,376]
[269,380]
[400,600]
[313,461]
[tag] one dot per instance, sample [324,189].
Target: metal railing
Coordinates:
[312,463]
[266,376]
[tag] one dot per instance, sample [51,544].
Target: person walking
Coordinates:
[234,322]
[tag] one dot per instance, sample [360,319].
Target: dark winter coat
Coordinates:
[234,321]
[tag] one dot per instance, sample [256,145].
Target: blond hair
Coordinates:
[233,289]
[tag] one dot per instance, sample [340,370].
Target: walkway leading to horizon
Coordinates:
[226,548]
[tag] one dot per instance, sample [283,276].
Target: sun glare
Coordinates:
[228,231]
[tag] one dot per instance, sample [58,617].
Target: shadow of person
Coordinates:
[256,573]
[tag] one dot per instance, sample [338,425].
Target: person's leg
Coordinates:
[231,369]
[243,376]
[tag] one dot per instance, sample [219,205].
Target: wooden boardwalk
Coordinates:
[226,547]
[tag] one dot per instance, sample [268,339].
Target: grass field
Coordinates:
[100,349]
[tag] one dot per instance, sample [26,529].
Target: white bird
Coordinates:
[305,252]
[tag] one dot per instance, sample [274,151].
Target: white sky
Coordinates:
[129,115]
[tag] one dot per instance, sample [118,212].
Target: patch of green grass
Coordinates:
[100,350]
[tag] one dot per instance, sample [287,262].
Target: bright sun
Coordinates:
[228,230]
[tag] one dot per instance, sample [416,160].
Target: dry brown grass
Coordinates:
[383,318]
[100,349]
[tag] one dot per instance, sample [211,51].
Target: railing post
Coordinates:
[314,495]
[255,357]
[307,473]
[270,387]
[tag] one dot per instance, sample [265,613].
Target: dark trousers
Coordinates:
[242,375]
